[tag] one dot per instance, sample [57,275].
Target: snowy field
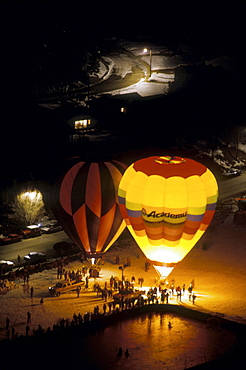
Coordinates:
[158,83]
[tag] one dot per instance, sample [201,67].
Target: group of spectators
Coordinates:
[123,288]
[154,295]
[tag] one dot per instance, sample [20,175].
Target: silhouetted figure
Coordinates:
[28,317]
[169,325]
[119,354]
[7,323]
[190,291]
[167,295]
[127,354]
[141,280]
[86,282]
[178,290]
[147,265]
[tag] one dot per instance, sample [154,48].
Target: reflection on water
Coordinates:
[152,344]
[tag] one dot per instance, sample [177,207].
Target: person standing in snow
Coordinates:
[7,323]
[86,282]
[28,317]
[190,291]
[119,354]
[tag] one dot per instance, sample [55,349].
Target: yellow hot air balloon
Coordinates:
[167,203]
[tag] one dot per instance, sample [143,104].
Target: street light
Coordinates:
[122,268]
[29,206]
[150,60]
[32,195]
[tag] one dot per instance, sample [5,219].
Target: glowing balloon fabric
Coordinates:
[167,203]
[87,205]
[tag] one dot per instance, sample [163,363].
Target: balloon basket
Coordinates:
[94,261]
[93,258]
[163,271]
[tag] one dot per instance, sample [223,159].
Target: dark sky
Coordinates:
[27,21]
[25,25]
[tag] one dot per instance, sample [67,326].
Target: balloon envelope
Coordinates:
[167,203]
[86,205]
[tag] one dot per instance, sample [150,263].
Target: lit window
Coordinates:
[81,124]
[123,110]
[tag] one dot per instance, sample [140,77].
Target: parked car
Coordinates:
[231,172]
[35,258]
[54,229]
[66,248]
[11,238]
[6,266]
[50,229]
[31,232]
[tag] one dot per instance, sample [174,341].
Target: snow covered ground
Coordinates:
[218,272]
[163,64]
[157,84]
[145,88]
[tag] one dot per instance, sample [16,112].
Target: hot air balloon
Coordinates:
[167,203]
[86,204]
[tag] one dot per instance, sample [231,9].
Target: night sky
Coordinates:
[26,25]
[212,26]
[210,21]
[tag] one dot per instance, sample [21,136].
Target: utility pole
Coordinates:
[150,60]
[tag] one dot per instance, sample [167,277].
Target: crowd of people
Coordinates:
[124,290]
[130,293]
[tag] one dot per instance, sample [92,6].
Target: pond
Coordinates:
[153,344]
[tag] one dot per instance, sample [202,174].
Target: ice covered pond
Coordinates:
[152,344]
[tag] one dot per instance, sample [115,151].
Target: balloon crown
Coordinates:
[170,160]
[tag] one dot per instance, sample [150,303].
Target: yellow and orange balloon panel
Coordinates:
[167,204]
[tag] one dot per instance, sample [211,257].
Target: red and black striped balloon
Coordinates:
[86,205]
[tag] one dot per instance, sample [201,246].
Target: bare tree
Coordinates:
[63,67]
[28,207]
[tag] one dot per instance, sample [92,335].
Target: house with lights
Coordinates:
[83,123]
